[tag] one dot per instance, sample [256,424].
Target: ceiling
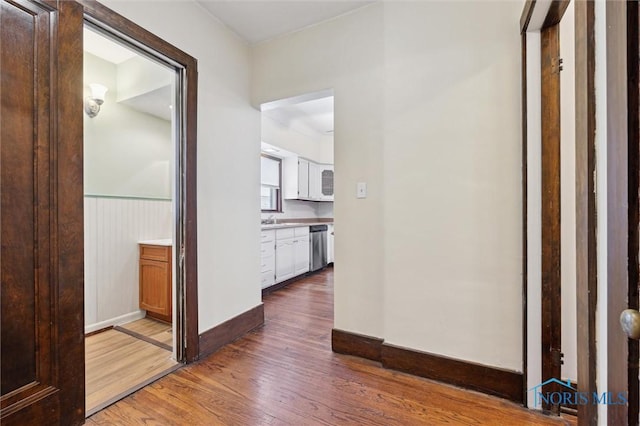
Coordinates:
[156,102]
[102,47]
[257,21]
[313,118]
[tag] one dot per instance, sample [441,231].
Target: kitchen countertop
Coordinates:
[266,227]
[163,242]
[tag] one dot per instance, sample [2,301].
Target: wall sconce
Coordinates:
[92,102]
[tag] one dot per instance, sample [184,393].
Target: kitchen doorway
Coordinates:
[296,188]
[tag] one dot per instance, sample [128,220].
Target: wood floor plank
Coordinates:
[116,363]
[152,329]
[285,373]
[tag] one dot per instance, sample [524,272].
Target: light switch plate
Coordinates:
[361,190]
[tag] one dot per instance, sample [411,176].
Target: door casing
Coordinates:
[116,26]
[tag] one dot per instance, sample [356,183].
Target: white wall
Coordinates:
[139,75]
[434,131]
[298,209]
[228,155]
[126,152]
[345,54]
[568,196]
[113,227]
[534,215]
[452,208]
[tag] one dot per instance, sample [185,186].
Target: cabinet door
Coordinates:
[314,181]
[155,287]
[303,178]
[284,260]
[326,183]
[301,255]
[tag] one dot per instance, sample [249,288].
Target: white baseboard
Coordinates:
[123,319]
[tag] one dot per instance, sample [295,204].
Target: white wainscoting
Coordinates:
[112,229]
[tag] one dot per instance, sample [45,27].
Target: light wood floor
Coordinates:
[149,329]
[285,373]
[118,364]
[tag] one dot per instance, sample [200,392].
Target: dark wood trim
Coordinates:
[230,330]
[278,208]
[525,219]
[617,199]
[586,254]
[143,338]
[345,342]
[550,187]
[527,12]
[555,13]
[490,380]
[633,119]
[551,247]
[130,29]
[68,239]
[187,331]
[102,330]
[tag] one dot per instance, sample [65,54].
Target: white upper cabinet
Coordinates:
[303,178]
[325,171]
[306,180]
[314,182]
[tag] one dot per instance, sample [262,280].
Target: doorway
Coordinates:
[140,195]
[130,219]
[296,188]
[44,274]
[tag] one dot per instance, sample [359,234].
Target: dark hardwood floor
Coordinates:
[285,373]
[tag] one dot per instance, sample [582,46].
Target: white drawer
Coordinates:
[299,232]
[267,263]
[268,279]
[267,248]
[303,239]
[281,234]
[267,235]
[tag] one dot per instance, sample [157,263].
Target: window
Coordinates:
[270,183]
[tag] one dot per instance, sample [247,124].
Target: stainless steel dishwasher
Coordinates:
[318,247]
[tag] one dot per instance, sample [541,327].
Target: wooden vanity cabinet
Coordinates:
[155,281]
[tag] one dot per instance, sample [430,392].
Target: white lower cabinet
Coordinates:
[268,258]
[301,255]
[284,260]
[292,252]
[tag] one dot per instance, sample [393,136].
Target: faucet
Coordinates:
[268,221]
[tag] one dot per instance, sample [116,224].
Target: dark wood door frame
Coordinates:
[586,247]
[551,302]
[550,186]
[115,25]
